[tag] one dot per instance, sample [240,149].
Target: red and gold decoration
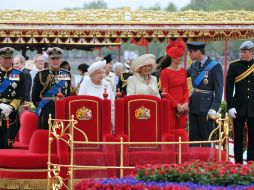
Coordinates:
[142,113]
[84,114]
[111,25]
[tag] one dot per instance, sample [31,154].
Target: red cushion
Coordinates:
[92,125]
[10,158]
[142,120]
[39,142]
[28,124]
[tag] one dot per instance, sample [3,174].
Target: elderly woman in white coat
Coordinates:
[142,82]
[95,84]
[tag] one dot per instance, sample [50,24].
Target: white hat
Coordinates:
[247,45]
[146,59]
[96,66]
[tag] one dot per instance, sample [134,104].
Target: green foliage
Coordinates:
[171,7]
[98,4]
[214,5]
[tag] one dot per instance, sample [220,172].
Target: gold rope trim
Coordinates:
[38,184]
[244,74]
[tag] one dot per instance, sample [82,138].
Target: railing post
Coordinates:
[226,126]
[72,150]
[121,157]
[180,150]
[220,138]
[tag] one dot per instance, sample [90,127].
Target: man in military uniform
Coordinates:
[12,84]
[47,84]
[240,99]
[207,80]
[122,83]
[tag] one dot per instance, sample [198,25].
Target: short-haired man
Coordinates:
[207,81]
[47,84]
[19,64]
[39,61]
[240,99]
[12,84]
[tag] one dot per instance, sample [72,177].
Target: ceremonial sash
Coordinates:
[244,74]
[201,76]
[50,93]
[6,82]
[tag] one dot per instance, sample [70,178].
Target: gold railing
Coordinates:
[57,130]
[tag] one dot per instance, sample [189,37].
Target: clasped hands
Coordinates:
[182,108]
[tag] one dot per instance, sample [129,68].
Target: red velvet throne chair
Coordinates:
[93,117]
[144,118]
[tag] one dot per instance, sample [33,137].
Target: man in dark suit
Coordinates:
[12,84]
[19,64]
[122,83]
[240,99]
[47,84]
[207,80]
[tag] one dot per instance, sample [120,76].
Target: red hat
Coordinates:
[175,48]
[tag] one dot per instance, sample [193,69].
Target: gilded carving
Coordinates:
[126,15]
[93,27]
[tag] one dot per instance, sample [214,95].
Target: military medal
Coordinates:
[206,78]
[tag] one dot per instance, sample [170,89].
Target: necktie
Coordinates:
[199,65]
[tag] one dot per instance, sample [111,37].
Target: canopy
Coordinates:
[113,26]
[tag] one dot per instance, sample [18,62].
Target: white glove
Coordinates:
[232,112]
[212,113]
[6,109]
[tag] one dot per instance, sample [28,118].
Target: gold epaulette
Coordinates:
[15,103]
[124,82]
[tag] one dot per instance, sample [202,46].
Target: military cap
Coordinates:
[54,52]
[7,52]
[247,45]
[195,45]
[108,58]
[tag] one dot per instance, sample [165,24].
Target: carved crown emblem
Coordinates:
[142,113]
[84,113]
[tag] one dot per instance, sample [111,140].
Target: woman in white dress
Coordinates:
[95,85]
[142,82]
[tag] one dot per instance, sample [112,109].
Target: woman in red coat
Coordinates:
[174,83]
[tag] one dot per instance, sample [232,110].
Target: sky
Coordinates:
[61,4]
